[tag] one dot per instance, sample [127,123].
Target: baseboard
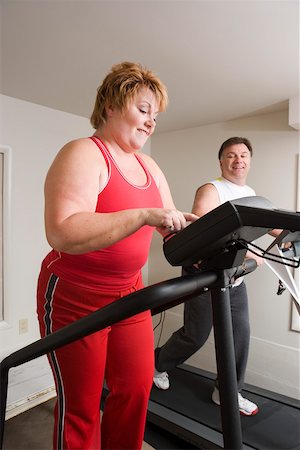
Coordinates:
[29,402]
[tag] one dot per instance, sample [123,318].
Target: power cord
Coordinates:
[160,322]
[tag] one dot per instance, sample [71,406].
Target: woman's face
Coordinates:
[132,126]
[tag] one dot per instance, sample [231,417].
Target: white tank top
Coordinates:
[229,191]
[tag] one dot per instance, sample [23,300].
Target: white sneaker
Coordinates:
[246,407]
[161,380]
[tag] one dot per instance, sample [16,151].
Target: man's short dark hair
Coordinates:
[233,141]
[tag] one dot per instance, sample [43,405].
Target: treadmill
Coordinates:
[185,409]
[218,242]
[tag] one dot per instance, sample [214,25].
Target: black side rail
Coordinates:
[150,297]
[158,297]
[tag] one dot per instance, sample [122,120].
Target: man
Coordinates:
[235,159]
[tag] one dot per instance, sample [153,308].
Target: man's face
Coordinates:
[235,163]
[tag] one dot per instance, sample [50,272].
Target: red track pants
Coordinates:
[123,354]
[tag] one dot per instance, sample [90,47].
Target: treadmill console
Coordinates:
[223,228]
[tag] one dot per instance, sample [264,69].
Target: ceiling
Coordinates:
[220,59]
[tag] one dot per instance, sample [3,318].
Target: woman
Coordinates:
[102,202]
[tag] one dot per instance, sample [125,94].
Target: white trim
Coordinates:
[29,402]
[5,305]
[295,317]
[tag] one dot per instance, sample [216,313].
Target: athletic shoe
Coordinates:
[246,407]
[161,380]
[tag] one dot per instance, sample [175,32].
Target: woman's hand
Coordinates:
[168,220]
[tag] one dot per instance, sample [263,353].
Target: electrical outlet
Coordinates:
[23,326]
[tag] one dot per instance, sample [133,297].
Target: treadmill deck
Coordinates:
[188,405]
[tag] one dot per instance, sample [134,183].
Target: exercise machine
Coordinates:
[218,243]
[219,240]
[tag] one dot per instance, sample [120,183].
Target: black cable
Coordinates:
[161,322]
[291,262]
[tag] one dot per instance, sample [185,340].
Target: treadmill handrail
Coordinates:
[144,299]
[157,297]
[147,298]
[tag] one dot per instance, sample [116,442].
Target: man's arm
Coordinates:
[206,199]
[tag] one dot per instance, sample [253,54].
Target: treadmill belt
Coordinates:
[276,426]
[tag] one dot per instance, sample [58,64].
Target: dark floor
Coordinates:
[32,430]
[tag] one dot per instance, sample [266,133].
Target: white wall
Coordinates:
[35,134]
[189,158]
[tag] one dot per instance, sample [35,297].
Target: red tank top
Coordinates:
[117,266]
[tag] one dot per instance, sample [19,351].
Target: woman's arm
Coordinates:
[71,192]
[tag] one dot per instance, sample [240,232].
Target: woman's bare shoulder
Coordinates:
[83,148]
[79,144]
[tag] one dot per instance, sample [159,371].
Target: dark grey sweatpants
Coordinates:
[197,326]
